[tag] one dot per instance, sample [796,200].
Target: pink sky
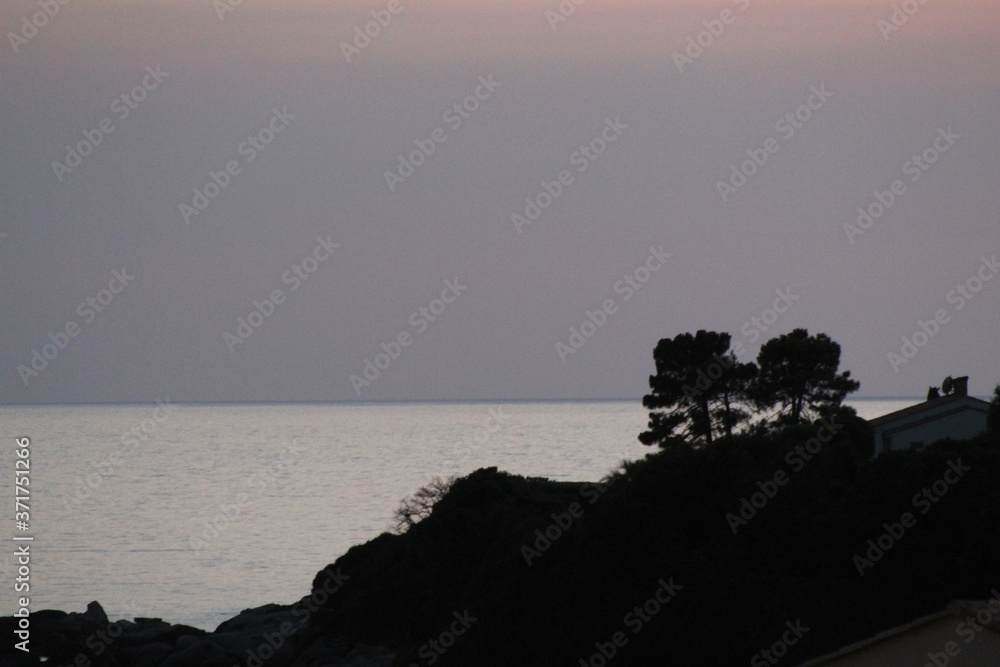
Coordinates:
[687,129]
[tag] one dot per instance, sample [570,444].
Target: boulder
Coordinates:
[204,653]
[147,655]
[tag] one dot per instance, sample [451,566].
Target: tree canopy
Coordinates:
[798,374]
[699,390]
[702,391]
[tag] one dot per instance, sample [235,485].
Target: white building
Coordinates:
[955,415]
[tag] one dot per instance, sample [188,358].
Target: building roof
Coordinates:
[956,608]
[934,403]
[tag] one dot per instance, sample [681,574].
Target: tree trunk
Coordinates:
[727,416]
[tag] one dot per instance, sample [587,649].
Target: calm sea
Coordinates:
[193,513]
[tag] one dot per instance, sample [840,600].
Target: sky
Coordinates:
[253,201]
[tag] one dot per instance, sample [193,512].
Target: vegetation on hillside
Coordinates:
[847,545]
[703,553]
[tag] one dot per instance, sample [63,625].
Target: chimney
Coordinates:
[961,386]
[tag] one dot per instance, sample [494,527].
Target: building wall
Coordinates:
[961,425]
[930,427]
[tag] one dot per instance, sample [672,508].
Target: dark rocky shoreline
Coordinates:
[644,567]
[275,635]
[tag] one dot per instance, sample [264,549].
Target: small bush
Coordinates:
[415,508]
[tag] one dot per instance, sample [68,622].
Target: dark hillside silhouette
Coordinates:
[705,552]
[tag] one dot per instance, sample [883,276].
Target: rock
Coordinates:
[155,631]
[48,616]
[337,652]
[62,638]
[250,618]
[275,634]
[204,653]
[20,659]
[148,655]
[95,614]
[368,656]
[323,651]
